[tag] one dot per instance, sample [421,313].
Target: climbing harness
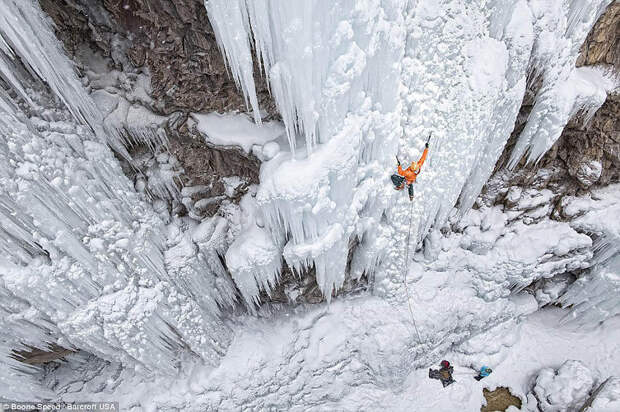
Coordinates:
[407,272]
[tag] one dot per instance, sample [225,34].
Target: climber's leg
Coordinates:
[410,189]
[398,181]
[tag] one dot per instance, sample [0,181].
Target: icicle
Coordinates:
[87,254]
[560,32]
[25,32]
[230,27]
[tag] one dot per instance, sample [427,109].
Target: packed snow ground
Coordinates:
[348,356]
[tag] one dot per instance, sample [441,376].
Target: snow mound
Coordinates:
[564,389]
[237,130]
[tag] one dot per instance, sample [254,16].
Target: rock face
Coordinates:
[37,356]
[169,43]
[173,39]
[592,154]
[583,147]
[176,42]
[602,45]
[587,153]
[499,399]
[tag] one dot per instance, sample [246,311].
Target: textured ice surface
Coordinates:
[253,259]
[88,253]
[358,82]
[349,357]
[510,255]
[594,296]
[85,260]
[87,263]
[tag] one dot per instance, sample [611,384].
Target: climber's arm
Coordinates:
[423,158]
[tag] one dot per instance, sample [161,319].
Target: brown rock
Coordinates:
[172,38]
[602,44]
[36,356]
[571,165]
[499,399]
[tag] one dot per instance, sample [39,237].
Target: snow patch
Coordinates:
[237,130]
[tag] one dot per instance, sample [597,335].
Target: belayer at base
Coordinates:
[444,374]
[483,373]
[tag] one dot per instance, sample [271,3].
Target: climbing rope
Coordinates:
[407,271]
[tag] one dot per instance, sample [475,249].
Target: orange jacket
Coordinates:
[411,173]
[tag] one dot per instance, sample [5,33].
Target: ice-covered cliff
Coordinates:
[136,231]
[86,262]
[358,82]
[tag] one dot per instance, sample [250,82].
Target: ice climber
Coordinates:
[484,372]
[408,176]
[444,374]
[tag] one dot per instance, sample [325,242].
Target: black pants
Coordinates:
[398,181]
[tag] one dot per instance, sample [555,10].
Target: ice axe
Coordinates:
[429,138]
[397,161]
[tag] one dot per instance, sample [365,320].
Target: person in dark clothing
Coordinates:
[484,372]
[444,374]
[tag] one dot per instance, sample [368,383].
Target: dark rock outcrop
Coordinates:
[172,39]
[173,42]
[602,46]
[36,356]
[586,154]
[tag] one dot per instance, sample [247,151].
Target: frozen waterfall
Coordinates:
[86,261]
[358,82]
[91,264]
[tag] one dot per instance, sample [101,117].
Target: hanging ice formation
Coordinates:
[594,296]
[85,262]
[564,90]
[358,82]
[26,34]
[334,72]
